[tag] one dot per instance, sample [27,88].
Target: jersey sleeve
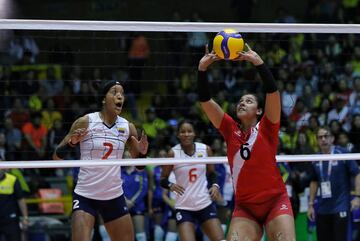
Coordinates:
[226,126]
[352,167]
[269,129]
[17,190]
[312,173]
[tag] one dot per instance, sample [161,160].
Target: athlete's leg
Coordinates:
[244,229]
[281,228]
[212,229]
[172,233]
[139,226]
[187,231]
[82,224]
[120,228]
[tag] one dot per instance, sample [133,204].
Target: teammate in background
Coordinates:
[102,135]
[194,200]
[260,194]
[135,190]
[156,203]
[333,178]
[169,199]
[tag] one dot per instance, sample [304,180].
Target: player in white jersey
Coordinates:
[193,202]
[102,135]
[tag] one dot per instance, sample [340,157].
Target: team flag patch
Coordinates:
[121,130]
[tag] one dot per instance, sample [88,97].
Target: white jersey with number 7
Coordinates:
[102,142]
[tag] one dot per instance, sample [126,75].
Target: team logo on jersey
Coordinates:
[121,130]
[238,133]
[284,207]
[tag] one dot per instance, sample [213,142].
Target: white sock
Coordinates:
[171,236]
[103,233]
[158,233]
[223,227]
[140,236]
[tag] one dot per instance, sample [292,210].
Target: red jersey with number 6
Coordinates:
[251,156]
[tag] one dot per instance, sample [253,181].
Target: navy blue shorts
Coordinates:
[158,205]
[196,216]
[108,209]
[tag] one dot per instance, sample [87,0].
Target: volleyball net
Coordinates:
[50,71]
[52,68]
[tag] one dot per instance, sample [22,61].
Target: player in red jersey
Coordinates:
[260,194]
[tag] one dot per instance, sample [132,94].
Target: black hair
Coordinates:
[104,88]
[326,128]
[260,102]
[182,122]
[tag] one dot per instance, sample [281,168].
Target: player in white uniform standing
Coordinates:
[102,135]
[193,201]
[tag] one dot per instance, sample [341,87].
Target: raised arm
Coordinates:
[77,132]
[210,107]
[272,100]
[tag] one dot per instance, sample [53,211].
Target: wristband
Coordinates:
[267,79]
[164,183]
[203,87]
[216,185]
[62,151]
[212,178]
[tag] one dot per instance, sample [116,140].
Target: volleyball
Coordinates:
[228,43]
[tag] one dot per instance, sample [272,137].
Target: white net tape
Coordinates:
[167,161]
[175,26]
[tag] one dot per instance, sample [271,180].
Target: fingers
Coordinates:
[144,136]
[134,138]
[248,47]
[178,189]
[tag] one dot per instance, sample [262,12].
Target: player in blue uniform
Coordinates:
[155,201]
[135,189]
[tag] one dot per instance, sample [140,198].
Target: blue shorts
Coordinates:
[158,205]
[196,216]
[108,209]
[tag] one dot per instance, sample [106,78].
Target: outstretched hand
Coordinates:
[77,135]
[142,144]
[207,59]
[250,56]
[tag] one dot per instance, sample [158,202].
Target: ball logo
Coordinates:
[178,216]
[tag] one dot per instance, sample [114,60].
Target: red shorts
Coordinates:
[263,213]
